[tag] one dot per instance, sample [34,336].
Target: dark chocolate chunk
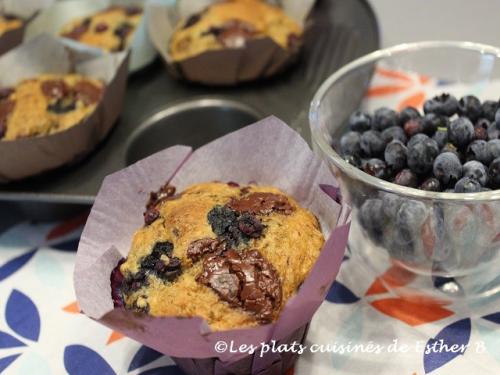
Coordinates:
[101,27]
[250,225]
[156,197]
[197,249]
[262,203]
[79,30]
[151,215]
[244,280]
[192,20]
[87,92]
[55,88]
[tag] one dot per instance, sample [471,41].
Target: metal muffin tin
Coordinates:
[160,111]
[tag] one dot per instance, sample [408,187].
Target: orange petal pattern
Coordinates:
[72,308]
[394,276]
[115,336]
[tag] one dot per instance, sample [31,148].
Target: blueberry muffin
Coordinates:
[111,29]
[47,104]
[9,22]
[229,24]
[232,255]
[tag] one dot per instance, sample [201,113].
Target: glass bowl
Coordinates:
[421,243]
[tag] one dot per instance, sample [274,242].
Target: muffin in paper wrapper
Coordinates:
[46,54]
[52,19]
[25,10]
[260,57]
[267,153]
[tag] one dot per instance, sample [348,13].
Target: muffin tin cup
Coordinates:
[268,153]
[48,55]
[53,18]
[259,58]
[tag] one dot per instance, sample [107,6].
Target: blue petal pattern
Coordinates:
[8,341]
[458,334]
[14,264]
[80,360]
[143,357]
[495,318]
[339,293]
[165,370]
[69,245]
[5,362]
[22,316]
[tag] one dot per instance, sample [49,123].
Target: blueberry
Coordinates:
[470,106]
[494,130]
[467,185]
[447,168]
[431,122]
[406,178]
[461,132]
[477,171]
[372,218]
[395,155]
[376,168]
[417,138]
[421,155]
[406,114]
[449,147]
[385,118]
[481,129]
[410,217]
[444,104]
[431,184]
[394,133]
[353,160]
[372,143]
[391,204]
[497,116]
[441,137]
[493,149]
[494,173]
[489,108]
[478,150]
[413,127]
[360,121]
[350,144]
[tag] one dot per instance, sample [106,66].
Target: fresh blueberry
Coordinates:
[481,129]
[395,155]
[461,132]
[350,144]
[385,118]
[447,168]
[494,173]
[441,137]
[489,108]
[372,143]
[431,184]
[494,130]
[413,127]
[478,150]
[497,116]
[444,104]
[450,147]
[408,113]
[477,171]
[394,133]
[360,121]
[372,218]
[391,204]
[431,122]
[376,168]
[406,178]
[410,217]
[421,155]
[417,138]
[470,106]
[493,149]
[353,160]
[467,185]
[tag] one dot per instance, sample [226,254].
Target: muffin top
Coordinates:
[47,104]
[228,24]
[232,255]
[9,22]
[111,29]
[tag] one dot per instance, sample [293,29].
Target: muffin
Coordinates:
[111,29]
[47,104]
[229,24]
[232,255]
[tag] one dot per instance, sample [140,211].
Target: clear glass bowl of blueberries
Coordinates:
[423,183]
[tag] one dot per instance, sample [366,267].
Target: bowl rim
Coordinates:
[352,171]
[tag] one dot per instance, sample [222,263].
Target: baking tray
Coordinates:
[160,111]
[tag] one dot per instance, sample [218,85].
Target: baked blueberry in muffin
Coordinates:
[47,104]
[232,255]
[111,29]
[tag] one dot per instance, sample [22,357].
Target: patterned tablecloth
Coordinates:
[361,328]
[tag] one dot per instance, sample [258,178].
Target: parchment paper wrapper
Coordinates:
[46,54]
[24,9]
[53,18]
[269,153]
[260,58]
